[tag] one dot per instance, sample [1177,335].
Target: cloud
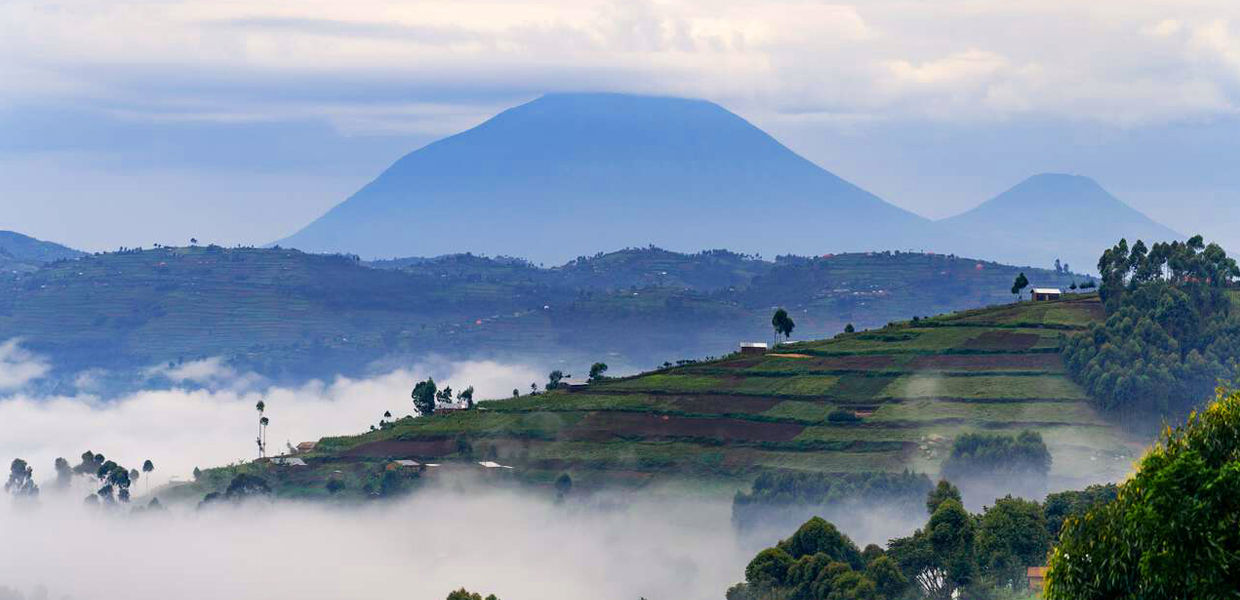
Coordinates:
[515,546]
[180,429]
[19,367]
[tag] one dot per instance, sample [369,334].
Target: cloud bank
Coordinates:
[514,546]
[179,429]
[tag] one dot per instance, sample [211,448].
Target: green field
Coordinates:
[910,388]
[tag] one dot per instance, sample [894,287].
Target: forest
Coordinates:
[1170,335]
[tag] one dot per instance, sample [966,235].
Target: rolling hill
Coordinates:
[287,314]
[907,390]
[1048,217]
[22,253]
[566,174]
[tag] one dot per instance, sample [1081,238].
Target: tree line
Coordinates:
[1170,333]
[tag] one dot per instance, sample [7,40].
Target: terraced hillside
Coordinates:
[882,400]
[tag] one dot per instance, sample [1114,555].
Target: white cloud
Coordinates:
[217,60]
[515,546]
[179,429]
[19,367]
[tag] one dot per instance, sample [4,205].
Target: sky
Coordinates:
[134,123]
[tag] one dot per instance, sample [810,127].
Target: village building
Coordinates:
[574,384]
[288,461]
[1037,577]
[755,348]
[1046,294]
[306,447]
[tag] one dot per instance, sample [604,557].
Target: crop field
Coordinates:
[881,400]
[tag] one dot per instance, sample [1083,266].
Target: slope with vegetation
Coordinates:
[283,313]
[879,401]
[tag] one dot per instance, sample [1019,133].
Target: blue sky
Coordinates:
[142,122]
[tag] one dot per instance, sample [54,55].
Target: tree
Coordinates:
[334,486]
[467,396]
[245,486]
[261,406]
[516,393]
[1020,284]
[942,492]
[1011,536]
[782,324]
[596,371]
[849,328]
[21,481]
[939,558]
[64,474]
[463,594]
[887,577]
[424,396]
[553,379]
[563,485]
[1171,532]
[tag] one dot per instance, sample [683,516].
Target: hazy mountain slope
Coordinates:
[567,174]
[20,252]
[1051,216]
[287,314]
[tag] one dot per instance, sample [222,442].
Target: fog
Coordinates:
[515,546]
[182,428]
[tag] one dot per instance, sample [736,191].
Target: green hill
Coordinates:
[284,313]
[21,253]
[884,400]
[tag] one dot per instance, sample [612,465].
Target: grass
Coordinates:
[717,423]
[984,386]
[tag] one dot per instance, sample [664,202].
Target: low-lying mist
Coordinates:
[516,546]
[181,428]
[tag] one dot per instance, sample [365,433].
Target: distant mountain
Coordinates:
[567,174]
[22,253]
[1048,217]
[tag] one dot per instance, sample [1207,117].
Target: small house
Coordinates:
[1046,294]
[1037,577]
[573,384]
[755,348]
[304,447]
[288,462]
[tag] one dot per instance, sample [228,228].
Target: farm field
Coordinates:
[880,400]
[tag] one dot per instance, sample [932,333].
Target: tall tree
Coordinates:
[424,396]
[262,447]
[1020,284]
[147,467]
[467,396]
[21,481]
[553,379]
[782,324]
[597,371]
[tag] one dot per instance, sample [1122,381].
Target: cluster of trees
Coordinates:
[819,561]
[463,594]
[426,396]
[1170,333]
[21,483]
[800,494]
[1171,531]
[114,479]
[955,555]
[985,456]
[243,486]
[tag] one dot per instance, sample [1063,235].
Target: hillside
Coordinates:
[908,389]
[1048,217]
[21,253]
[566,174]
[286,314]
